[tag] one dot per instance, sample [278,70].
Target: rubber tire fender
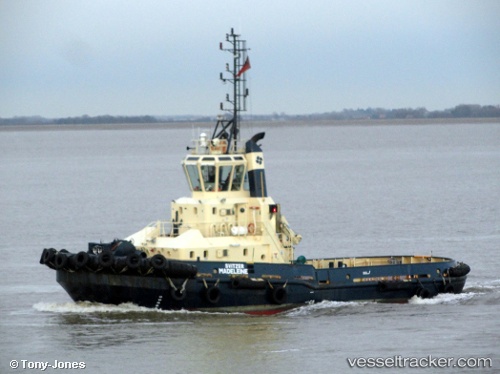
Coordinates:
[177,295]
[60,261]
[159,262]
[106,259]
[42,257]
[279,295]
[133,260]
[423,293]
[212,294]
[48,256]
[80,260]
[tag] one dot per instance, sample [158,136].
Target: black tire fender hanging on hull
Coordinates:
[423,293]
[177,295]
[278,295]
[212,294]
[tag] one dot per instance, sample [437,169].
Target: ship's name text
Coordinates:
[233,269]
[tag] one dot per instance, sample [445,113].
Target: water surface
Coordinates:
[348,190]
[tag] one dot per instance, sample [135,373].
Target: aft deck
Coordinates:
[341,262]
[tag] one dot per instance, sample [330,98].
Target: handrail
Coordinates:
[160,228]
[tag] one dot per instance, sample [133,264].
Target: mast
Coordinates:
[229,128]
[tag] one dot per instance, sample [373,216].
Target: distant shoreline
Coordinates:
[280,123]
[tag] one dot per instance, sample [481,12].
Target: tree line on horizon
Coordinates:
[459,111]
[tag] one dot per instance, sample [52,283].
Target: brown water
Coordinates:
[348,190]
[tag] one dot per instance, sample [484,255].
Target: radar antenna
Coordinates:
[229,128]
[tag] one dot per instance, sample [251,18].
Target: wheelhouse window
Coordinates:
[225,177]
[194,177]
[211,174]
[246,185]
[208,175]
[237,177]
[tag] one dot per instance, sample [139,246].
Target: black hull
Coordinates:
[155,292]
[258,288]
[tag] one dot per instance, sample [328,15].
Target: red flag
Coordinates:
[244,68]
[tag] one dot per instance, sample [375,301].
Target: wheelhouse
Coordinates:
[216,173]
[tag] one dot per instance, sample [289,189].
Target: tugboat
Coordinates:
[228,247]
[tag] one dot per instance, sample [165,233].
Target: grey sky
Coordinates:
[69,58]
